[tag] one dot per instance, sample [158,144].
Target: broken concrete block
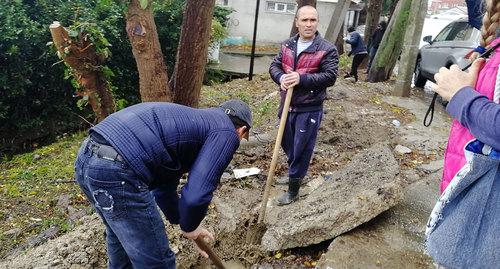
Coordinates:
[402,150]
[370,248]
[367,186]
[398,232]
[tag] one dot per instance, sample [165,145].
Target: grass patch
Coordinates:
[30,186]
[344,62]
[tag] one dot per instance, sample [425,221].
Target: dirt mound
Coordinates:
[82,248]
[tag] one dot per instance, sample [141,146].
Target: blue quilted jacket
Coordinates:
[162,141]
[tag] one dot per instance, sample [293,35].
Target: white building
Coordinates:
[275,19]
[451,14]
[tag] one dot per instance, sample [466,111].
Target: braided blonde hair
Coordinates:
[491,21]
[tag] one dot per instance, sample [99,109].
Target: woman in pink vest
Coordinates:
[485,85]
[463,230]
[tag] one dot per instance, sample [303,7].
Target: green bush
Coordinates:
[221,14]
[36,101]
[217,32]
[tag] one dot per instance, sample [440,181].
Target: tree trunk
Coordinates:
[372,18]
[362,16]
[192,51]
[79,53]
[141,31]
[337,21]
[339,43]
[410,48]
[301,3]
[392,42]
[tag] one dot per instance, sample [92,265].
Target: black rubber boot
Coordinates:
[284,180]
[292,194]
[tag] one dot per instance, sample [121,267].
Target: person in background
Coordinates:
[358,49]
[374,43]
[308,63]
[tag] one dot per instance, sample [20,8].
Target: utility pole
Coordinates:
[410,48]
[252,56]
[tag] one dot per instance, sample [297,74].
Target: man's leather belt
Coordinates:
[103,151]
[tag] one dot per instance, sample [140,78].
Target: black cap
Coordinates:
[239,109]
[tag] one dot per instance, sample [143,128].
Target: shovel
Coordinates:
[211,254]
[215,259]
[254,234]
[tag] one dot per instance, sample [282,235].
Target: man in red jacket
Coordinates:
[310,64]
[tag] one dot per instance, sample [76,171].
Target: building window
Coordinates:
[222,2]
[281,7]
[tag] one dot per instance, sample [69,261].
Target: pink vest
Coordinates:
[454,158]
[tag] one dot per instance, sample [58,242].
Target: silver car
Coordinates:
[449,47]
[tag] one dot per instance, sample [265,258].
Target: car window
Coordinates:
[460,31]
[444,33]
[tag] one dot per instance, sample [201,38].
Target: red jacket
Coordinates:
[318,69]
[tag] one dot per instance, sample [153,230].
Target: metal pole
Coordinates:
[252,56]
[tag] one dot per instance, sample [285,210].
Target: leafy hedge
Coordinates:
[29,82]
[36,101]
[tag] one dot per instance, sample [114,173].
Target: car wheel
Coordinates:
[419,79]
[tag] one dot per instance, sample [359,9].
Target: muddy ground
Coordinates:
[357,116]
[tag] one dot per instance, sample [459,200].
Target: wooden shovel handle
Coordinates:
[277,144]
[211,254]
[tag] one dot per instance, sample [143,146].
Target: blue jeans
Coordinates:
[135,233]
[299,138]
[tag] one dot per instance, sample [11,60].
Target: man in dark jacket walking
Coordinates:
[358,49]
[133,161]
[310,64]
[374,43]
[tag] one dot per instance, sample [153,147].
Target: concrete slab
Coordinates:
[397,233]
[367,186]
